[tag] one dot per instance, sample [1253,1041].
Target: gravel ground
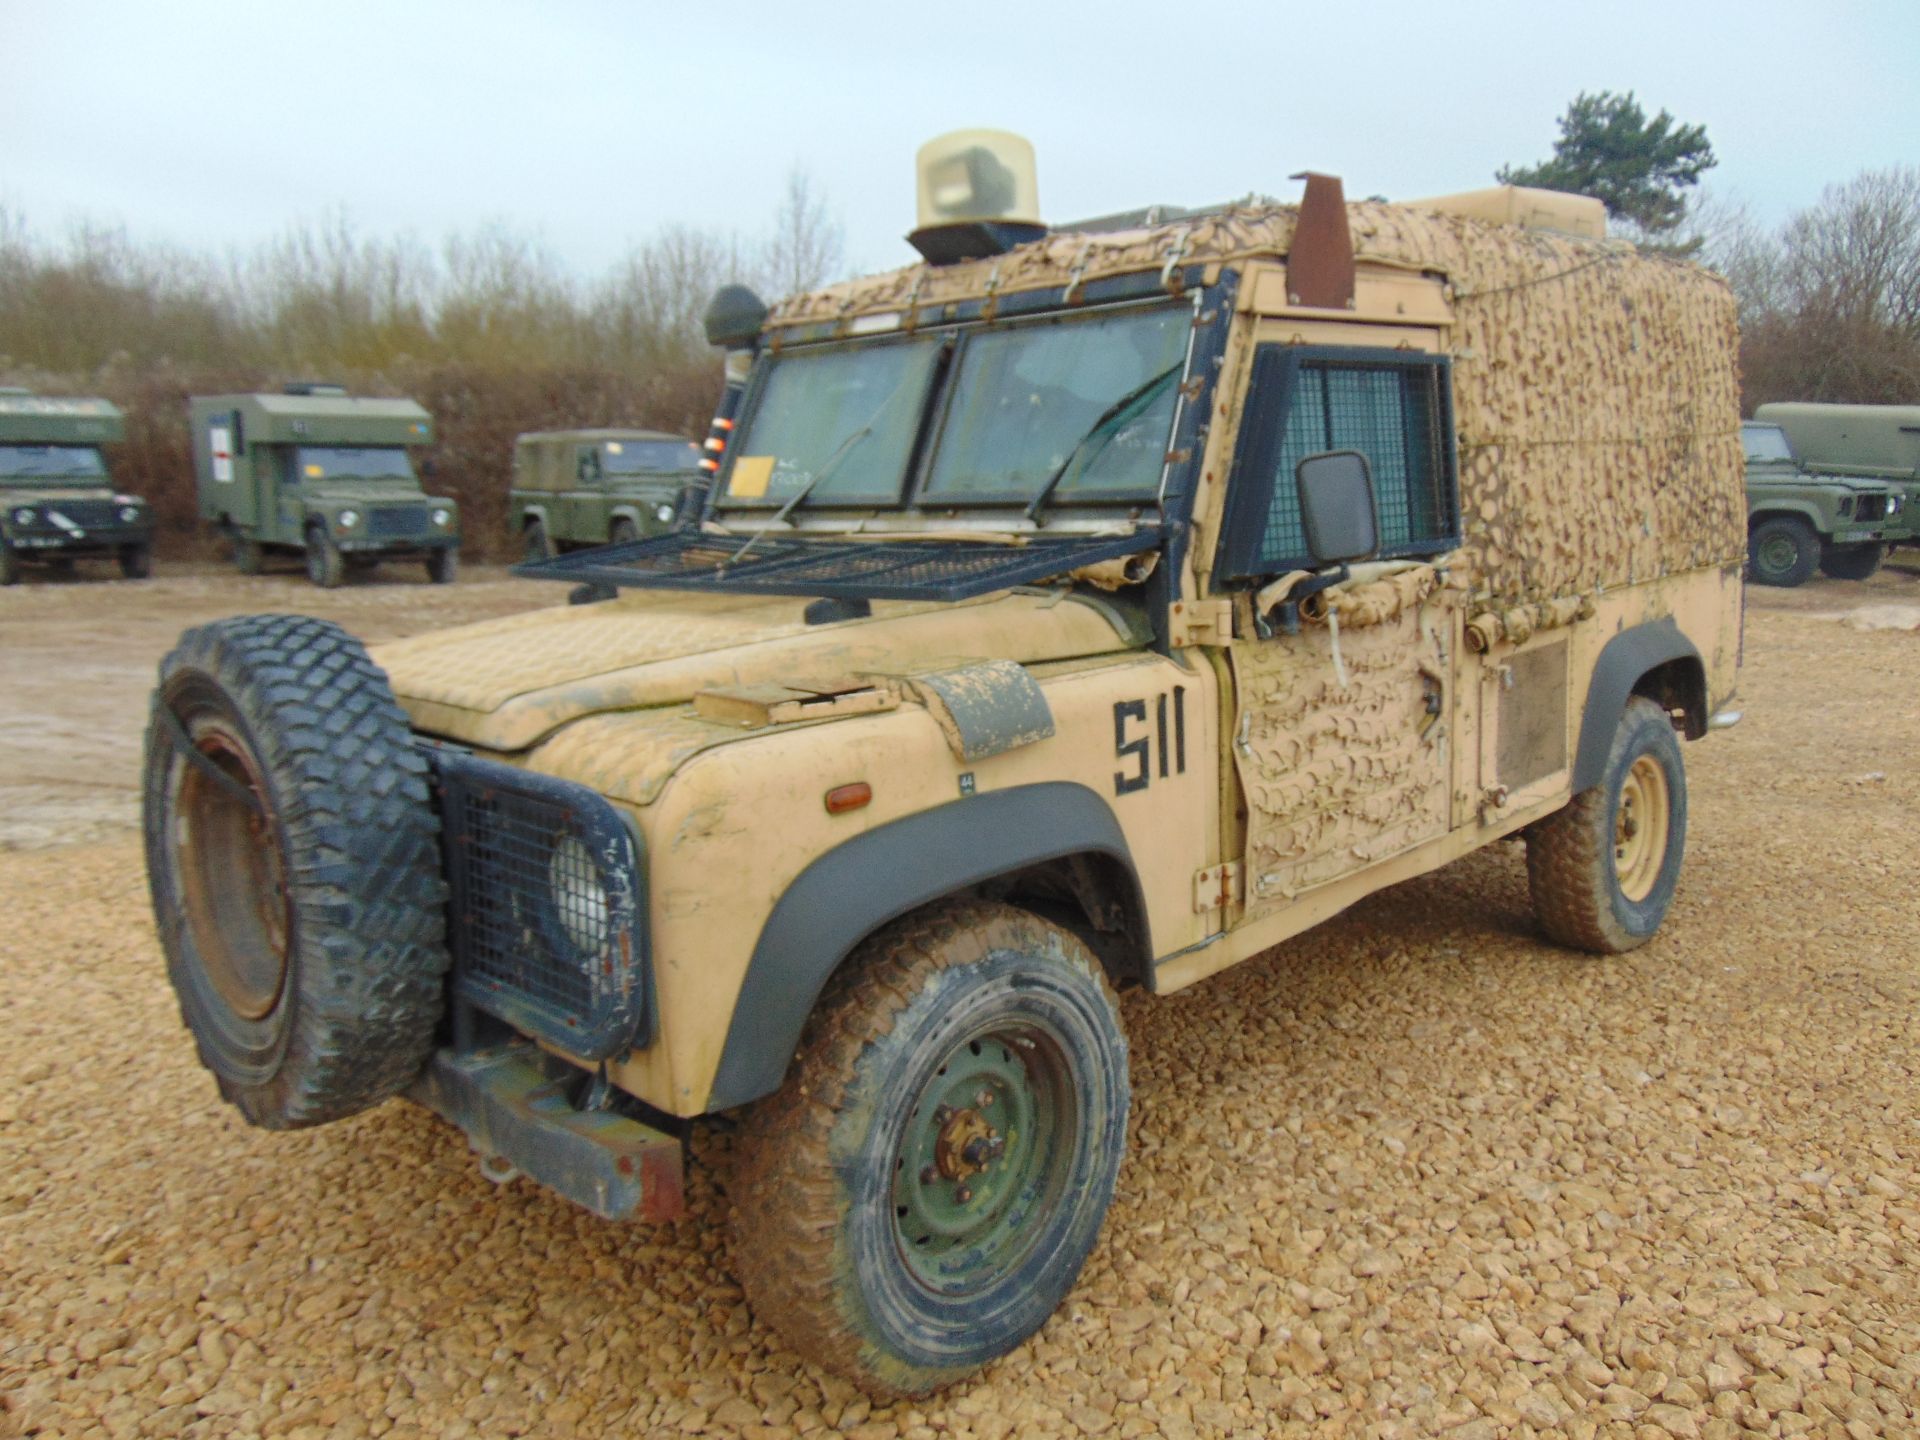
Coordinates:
[1413,1173]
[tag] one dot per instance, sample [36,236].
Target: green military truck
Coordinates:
[594,487]
[324,474]
[1799,518]
[1868,442]
[60,504]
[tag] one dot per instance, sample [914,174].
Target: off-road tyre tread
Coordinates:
[331,569]
[1569,859]
[1852,562]
[786,1206]
[443,566]
[367,945]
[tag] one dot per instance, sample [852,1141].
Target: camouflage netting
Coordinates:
[1596,389]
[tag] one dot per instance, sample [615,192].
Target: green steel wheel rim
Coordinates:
[1778,554]
[983,1157]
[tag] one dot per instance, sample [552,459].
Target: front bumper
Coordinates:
[515,1105]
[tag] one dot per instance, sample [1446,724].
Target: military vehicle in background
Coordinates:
[1799,518]
[320,473]
[60,504]
[1862,442]
[1071,611]
[594,487]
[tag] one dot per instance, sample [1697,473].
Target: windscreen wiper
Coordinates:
[831,464]
[1107,417]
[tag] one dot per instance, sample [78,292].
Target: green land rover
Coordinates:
[1798,518]
[57,501]
[573,488]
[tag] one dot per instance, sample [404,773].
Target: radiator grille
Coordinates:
[390,522]
[546,913]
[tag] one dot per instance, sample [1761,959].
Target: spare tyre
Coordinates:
[294,862]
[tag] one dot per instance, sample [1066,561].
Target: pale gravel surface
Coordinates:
[1413,1173]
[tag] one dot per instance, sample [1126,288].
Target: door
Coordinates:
[1343,740]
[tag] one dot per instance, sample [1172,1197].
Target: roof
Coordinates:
[605,432]
[322,419]
[26,418]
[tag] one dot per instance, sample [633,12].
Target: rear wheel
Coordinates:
[325,566]
[443,566]
[294,864]
[247,558]
[1852,562]
[921,1194]
[1782,551]
[1602,871]
[535,543]
[136,561]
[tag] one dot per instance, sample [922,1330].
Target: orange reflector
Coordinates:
[710,466]
[843,798]
[719,424]
[715,443]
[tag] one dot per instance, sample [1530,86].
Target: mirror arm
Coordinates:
[1284,618]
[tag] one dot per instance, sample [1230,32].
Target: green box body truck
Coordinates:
[323,474]
[1860,442]
[573,488]
[59,500]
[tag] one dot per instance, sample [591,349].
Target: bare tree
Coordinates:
[807,246]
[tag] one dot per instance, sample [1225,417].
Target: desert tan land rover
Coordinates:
[1073,611]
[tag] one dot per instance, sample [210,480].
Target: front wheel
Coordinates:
[623,532]
[1602,871]
[443,566]
[326,567]
[9,564]
[1782,551]
[921,1194]
[1852,562]
[136,561]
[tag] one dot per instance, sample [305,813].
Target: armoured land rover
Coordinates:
[59,501]
[1799,517]
[323,474]
[1073,611]
[1863,443]
[573,488]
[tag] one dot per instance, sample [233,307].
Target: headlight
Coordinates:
[347,519]
[23,516]
[443,518]
[579,899]
[663,513]
[129,514]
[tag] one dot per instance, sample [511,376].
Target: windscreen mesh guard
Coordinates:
[546,918]
[833,566]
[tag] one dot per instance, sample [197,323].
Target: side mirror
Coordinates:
[733,318]
[1336,506]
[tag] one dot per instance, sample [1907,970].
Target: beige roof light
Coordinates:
[979,194]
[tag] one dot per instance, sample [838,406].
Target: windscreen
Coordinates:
[841,421]
[1087,400]
[352,462]
[51,462]
[648,457]
[1765,442]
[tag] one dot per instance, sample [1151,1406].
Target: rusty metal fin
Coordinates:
[1320,264]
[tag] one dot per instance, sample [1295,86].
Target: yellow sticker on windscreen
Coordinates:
[751,475]
[314,472]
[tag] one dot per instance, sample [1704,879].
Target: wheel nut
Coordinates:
[983,1099]
[963,1194]
[928,1175]
[942,1115]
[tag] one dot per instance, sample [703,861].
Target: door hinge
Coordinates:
[1217,887]
[1200,622]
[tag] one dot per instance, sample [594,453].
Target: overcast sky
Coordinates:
[589,123]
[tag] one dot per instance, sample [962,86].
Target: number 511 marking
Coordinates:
[1168,744]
